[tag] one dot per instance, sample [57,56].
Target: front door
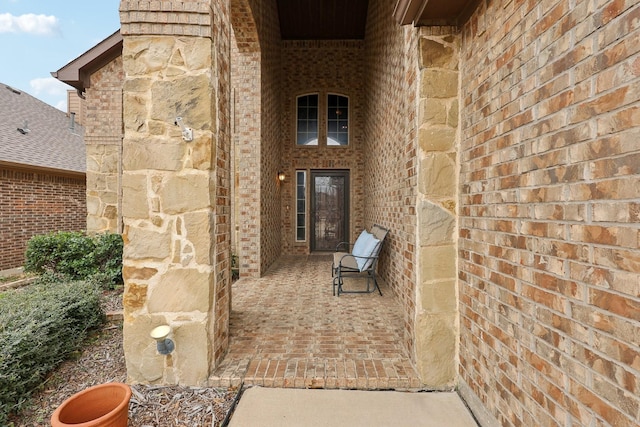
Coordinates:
[329,209]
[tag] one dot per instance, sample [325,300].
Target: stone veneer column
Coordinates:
[175,193]
[437,324]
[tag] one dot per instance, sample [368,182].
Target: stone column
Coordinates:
[174,192]
[437,324]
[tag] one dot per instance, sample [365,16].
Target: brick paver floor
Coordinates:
[288,330]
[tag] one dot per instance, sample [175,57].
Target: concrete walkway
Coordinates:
[277,407]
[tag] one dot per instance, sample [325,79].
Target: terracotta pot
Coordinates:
[104,405]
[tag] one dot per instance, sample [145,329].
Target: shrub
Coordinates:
[39,327]
[75,256]
[108,258]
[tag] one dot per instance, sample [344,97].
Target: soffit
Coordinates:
[447,12]
[322,19]
[346,19]
[77,73]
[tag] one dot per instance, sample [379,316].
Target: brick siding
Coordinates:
[322,67]
[245,157]
[270,161]
[391,144]
[255,78]
[549,271]
[222,219]
[33,203]
[103,140]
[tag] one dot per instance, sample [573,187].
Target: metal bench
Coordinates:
[362,260]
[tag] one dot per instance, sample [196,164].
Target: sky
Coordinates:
[41,36]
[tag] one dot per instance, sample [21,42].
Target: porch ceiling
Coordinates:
[340,19]
[322,19]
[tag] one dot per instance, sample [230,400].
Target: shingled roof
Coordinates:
[37,135]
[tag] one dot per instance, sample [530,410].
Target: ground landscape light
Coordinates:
[163,344]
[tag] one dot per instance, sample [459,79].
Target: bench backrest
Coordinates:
[379,232]
[366,251]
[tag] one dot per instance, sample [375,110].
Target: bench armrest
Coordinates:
[345,245]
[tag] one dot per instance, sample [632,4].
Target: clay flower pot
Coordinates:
[104,405]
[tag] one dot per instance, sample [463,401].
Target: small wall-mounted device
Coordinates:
[187,133]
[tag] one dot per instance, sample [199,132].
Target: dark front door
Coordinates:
[329,209]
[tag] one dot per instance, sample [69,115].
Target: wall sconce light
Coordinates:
[281,176]
[187,133]
[163,344]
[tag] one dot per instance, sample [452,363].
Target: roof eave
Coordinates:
[408,11]
[77,72]
[43,169]
[434,12]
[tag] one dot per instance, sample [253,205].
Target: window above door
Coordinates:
[337,120]
[330,109]
[307,119]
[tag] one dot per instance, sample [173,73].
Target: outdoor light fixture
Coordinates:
[163,344]
[187,133]
[281,176]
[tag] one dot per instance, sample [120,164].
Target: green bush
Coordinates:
[108,258]
[39,327]
[71,255]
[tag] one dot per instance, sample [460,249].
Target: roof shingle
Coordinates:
[47,139]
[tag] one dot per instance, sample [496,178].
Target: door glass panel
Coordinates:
[329,211]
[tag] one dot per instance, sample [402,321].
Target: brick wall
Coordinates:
[322,67]
[103,140]
[390,183]
[383,138]
[271,141]
[245,78]
[549,224]
[221,27]
[255,74]
[33,203]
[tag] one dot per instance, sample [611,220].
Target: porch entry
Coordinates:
[329,209]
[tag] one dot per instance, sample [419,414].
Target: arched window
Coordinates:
[337,120]
[310,111]
[307,120]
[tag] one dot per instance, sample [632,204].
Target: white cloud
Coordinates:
[41,25]
[62,105]
[51,91]
[49,86]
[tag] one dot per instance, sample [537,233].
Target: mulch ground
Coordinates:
[102,360]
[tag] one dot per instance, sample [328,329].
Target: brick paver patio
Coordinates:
[288,330]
